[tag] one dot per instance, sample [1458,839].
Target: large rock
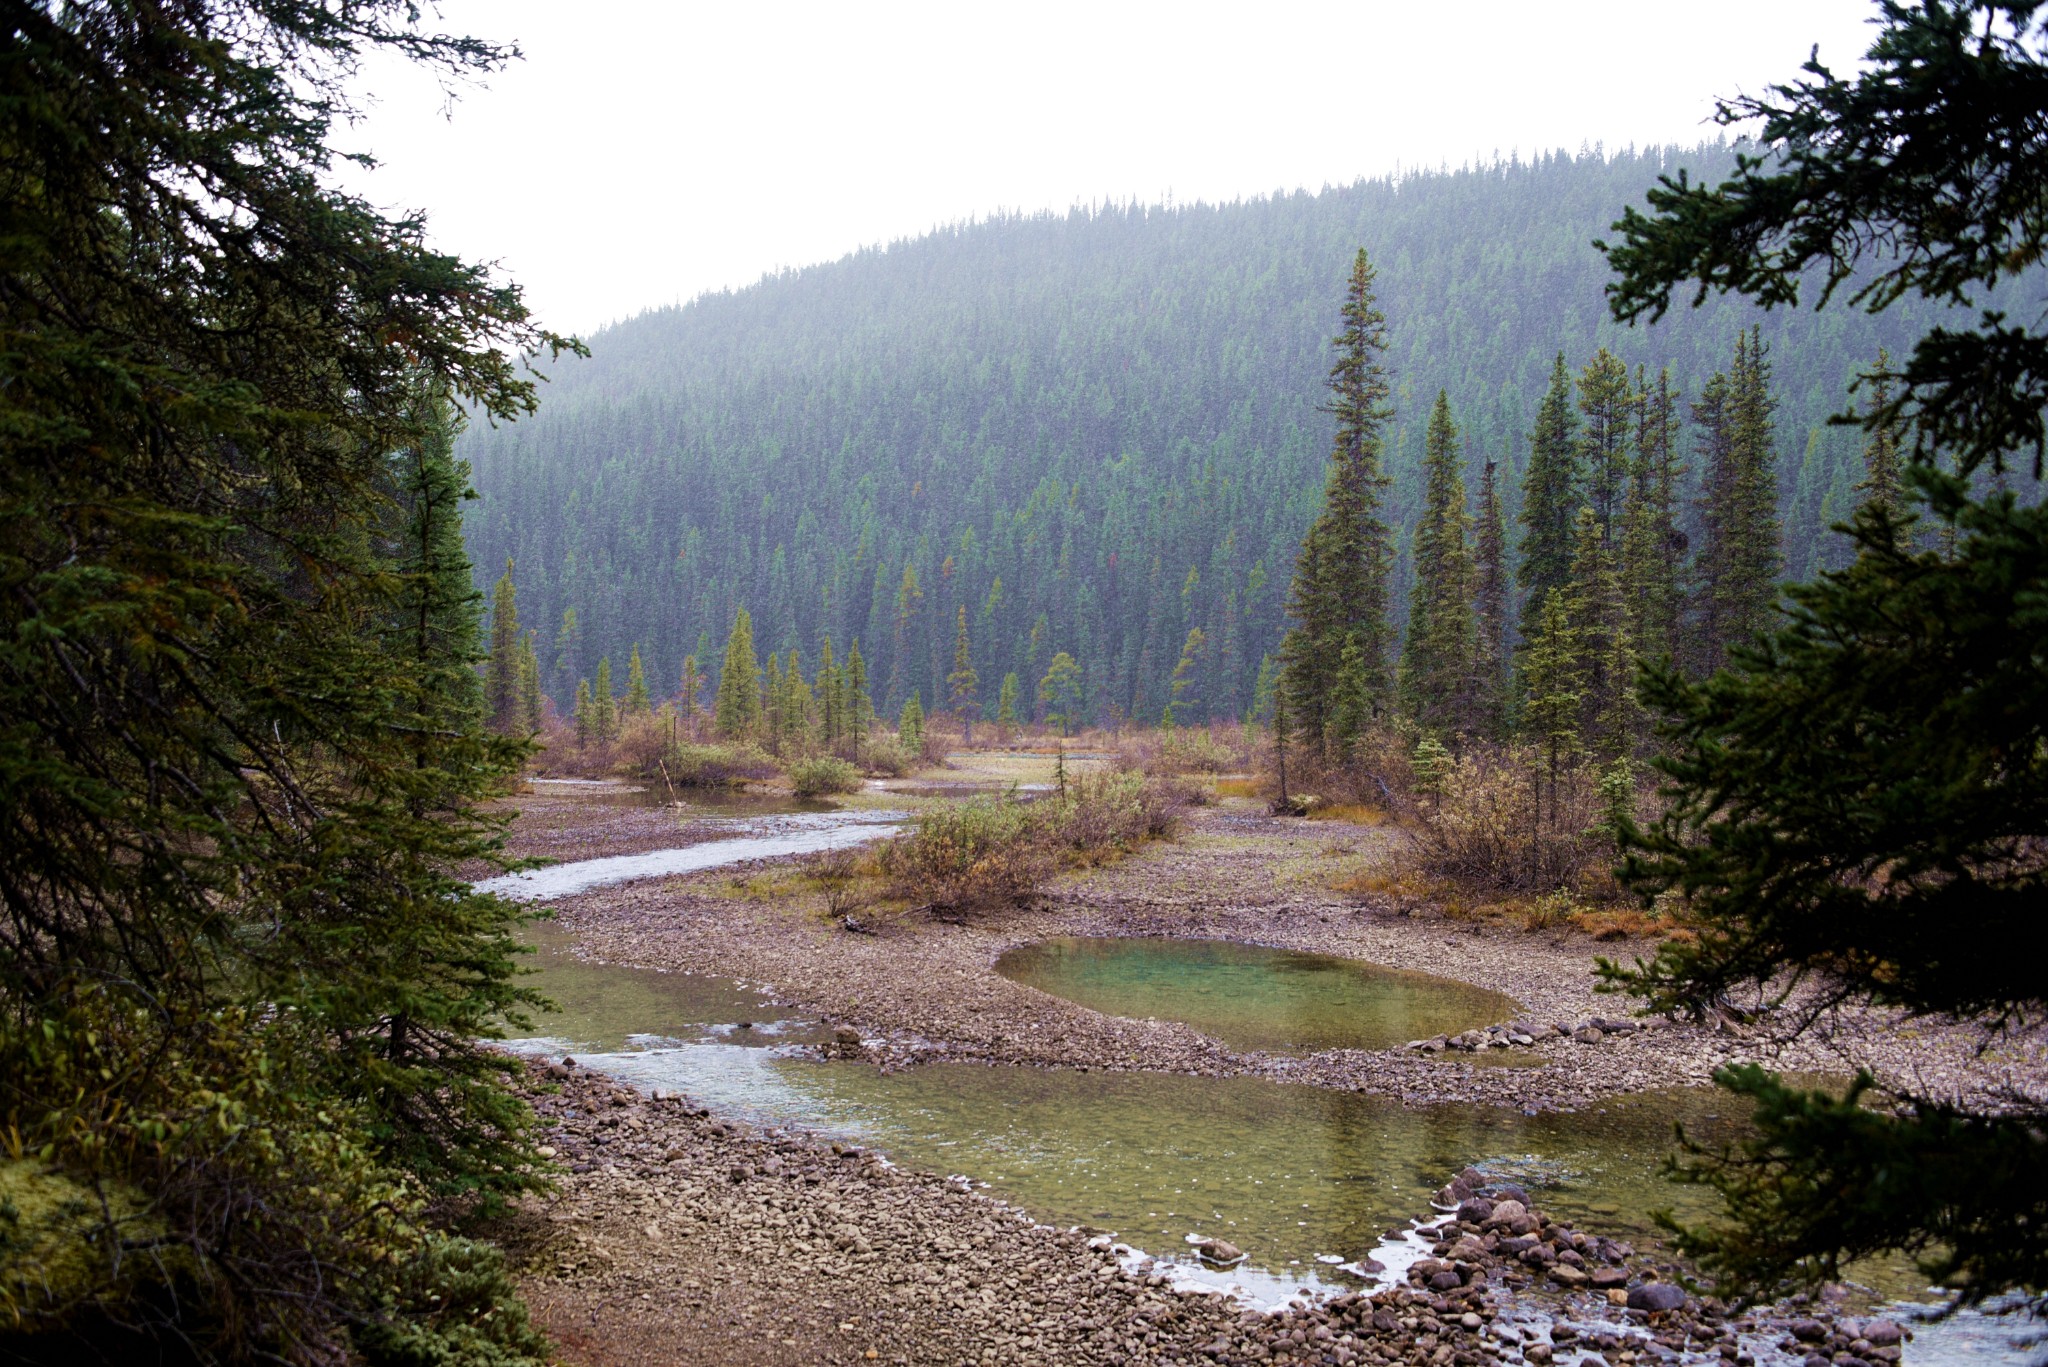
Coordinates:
[1567,1276]
[1656,1296]
[1503,1214]
[1475,1210]
[1878,1333]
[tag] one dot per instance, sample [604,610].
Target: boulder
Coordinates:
[1656,1296]
[1567,1276]
[1503,1214]
[1475,1210]
[1878,1333]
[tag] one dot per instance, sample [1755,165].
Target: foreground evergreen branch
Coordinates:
[1859,804]
[241,736]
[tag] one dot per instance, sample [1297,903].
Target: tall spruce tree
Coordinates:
[1604,662]
[1439,680]
[1006,706]
[1336,655]
[831,692]
[604,704]
[736,710]
[637,700]
[585,715]
[1653,547]
[1553,710]
[501,669]
[532,702]
[1739,560]
[1060,693]
[910,724]
[1491,609]
[1607,407]
[963,683]
[1551,495]
[1184,690]
[860,708]
[691,684]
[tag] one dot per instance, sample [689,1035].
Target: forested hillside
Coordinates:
[1092,431]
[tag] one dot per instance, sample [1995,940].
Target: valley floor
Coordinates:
[692,1239]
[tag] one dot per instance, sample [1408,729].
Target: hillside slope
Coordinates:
[1093,430]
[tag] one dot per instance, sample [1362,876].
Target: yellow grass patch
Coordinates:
[1355,813]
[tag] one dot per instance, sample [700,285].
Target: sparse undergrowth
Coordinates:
[988,852]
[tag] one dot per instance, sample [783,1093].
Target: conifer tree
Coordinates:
[1490,609]
[1603,655]
[1608,406]
[1335,658]
[604,704]
[1437,668]
[773,690]
[586,715]
[1653,548]
[1265,691]
[963,682]
[1550,496]
[568,650]
[831,700]
[1882,461]
[637,701]
[1739,558]
[1006,706]
[860,709]
[736,711]
[501,670]
[1059,693]
[909,599]
[532,703]
[691,685]
[1556,689]
[797,703]
[910,724]
[1184,695]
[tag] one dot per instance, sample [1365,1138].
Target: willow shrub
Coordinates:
[990,852]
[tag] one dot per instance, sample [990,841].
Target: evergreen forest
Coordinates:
[1104,433]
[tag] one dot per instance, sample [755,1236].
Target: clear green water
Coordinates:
[1286,1172]
[1251,997]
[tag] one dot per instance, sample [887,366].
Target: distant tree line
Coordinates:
[1098,434]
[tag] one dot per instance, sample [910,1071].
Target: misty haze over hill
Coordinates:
[1092,430]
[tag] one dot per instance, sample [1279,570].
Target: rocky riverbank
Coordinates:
[679,1237]
[921,991]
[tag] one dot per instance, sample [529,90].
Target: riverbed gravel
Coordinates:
[680,1236]
[922,991]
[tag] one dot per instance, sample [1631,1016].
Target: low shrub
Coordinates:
[990,851]
[822,774]
[643,739]
[1495,819]
[883,755]
[712,766]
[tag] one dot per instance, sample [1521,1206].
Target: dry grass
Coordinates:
[1242,787]
[1352,813]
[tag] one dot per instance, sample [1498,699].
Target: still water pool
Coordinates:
[1251,997]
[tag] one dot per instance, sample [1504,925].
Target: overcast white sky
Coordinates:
[644,153]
